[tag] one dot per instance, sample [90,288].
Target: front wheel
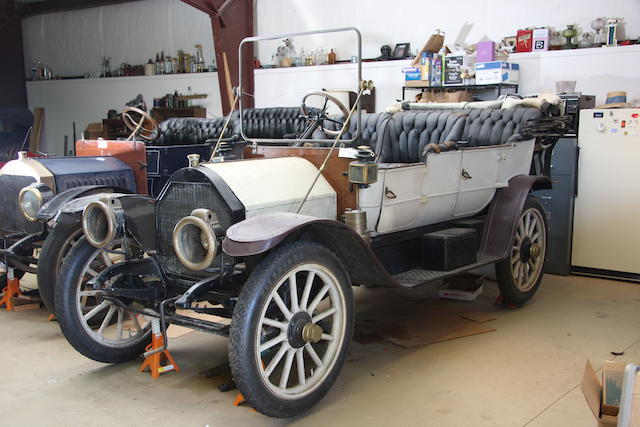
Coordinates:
[291,329]
[519,275]
[56,246]
[108,330]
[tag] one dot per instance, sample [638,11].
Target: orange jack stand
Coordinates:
[11,291]
[239,400]
[161,361]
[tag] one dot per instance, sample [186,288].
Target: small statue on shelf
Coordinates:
[385,50]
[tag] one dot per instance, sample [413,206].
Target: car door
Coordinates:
[478,179]
[414,195]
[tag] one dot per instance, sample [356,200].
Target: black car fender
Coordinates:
[52,208]
[505,210]
[138,212]
[260,234]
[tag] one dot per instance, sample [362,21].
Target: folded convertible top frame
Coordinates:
[284,36]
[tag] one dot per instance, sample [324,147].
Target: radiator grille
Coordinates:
[11,218]
[116,179]
[178,200]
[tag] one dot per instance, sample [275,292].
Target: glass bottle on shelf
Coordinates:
[331,58]
[199,59]
[322,57]
[168,65]
[161,67]
[300,60]
[157,63]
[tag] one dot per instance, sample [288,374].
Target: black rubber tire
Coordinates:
[244,323]
[51,257]
[504,276]
[68,318]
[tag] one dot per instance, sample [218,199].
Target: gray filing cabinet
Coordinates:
[558,204]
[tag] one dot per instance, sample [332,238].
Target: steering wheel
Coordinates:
[141,123]
[321,117]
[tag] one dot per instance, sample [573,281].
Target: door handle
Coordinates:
[389,194]
[465,174]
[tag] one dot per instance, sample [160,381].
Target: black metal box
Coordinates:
[164,160]
[474,223]
[449,249]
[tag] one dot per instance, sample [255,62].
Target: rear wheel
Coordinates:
[519,275]
[291,329]
[106,330]
[56,246]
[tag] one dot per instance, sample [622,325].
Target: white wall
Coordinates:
[73,43]
[596,72]
[384,22]
[87,100]
[287,86]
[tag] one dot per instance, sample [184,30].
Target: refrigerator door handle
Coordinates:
[575,184]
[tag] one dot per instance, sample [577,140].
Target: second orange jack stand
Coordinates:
[12,290]
[161,361]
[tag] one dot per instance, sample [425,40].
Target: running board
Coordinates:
[417,277]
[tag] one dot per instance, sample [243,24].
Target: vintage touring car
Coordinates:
[275,241]
[32,190]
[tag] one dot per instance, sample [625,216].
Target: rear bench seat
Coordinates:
[407,137]
[371,123]
[495,127]
[403,138]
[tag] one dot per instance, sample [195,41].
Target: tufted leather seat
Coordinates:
[494,127]
[277,122]
[189,130]
[404,136]
[371,123]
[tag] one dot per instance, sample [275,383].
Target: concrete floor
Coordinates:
[527,372]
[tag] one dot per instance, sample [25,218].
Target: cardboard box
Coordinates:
[612,376]
[592,389]
[635,403]
[453,70]
[524,41]
[417,83]
[436,71]
[540,39]
[465,287]
[496,72]
[486,51]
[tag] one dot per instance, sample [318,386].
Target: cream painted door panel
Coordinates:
[417,195]
[478,179]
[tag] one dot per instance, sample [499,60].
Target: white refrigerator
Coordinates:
[606,235]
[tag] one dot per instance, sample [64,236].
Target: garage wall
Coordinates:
[383,22]
[87,100]
[73,43]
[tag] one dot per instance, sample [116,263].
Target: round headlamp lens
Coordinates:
[30,203]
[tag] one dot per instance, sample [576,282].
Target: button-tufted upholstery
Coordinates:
[189,130]
[494,127]
[277,122]
[404,136]
[371,123]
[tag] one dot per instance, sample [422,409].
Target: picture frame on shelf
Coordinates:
[401,51]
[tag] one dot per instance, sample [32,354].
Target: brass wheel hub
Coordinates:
[535,251]
[311,332]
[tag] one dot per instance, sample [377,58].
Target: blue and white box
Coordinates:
[488,73]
